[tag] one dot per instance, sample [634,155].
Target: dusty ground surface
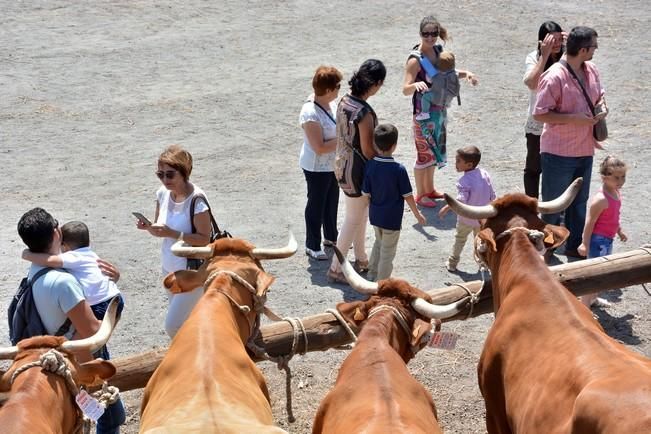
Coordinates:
[91,93]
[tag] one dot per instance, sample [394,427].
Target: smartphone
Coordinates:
[142,218]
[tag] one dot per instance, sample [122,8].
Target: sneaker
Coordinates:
[360,266]
[319,255]
[336,277]
[450,266]
[601,302]
[422,116]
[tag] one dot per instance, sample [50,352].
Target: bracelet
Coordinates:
[180,238]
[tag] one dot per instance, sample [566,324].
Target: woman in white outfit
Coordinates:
[172,223]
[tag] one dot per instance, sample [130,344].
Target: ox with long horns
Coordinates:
[207,381]
[374,392]
[40,386]
[547,365]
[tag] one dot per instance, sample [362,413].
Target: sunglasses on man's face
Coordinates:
[433,34]
[167,174]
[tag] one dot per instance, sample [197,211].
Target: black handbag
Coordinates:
[215,232]
[599,130]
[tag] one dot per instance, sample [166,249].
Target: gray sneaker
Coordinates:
[450,266]
[319,255]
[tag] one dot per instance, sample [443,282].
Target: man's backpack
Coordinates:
[24,320]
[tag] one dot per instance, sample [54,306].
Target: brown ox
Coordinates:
[547,365]
[38,401]
[207,382]
[374,392]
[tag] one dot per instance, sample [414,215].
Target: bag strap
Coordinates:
[585,93]
[213,222]
[326,112]
[66,324]
[40,273]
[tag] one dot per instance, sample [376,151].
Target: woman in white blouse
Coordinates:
[317,157]
[172,223]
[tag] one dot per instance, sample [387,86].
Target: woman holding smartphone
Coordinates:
[172,223]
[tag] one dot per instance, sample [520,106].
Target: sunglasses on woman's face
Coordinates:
[167,174]
[433,34]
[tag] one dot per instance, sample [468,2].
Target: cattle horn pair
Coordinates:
[420,305]
[206,252]
[91,344]
[488,211]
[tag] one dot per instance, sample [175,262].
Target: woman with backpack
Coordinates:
[356,122]
[549,51]
[430,141]
[172,223]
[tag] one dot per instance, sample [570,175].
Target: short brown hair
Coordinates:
[75,235]
[325,78]
[385,137]
[178,158]
[470,154]
[611,162]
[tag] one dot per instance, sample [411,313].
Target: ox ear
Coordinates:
[184,281]
[263,282]
[93,372]
[419,330]
[486,235]
[555,236]
[354,312]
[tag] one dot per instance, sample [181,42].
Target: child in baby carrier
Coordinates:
[444,85]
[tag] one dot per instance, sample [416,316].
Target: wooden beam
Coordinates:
[324,331]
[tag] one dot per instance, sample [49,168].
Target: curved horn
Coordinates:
[179,248]
[357,282]
[563,201]
[8,353]
[283,252]
[470,211]
[436,311]
[99,339]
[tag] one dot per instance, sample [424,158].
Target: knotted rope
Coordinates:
[56,363]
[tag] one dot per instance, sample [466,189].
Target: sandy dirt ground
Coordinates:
[91,92]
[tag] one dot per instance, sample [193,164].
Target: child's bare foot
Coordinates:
[600,146]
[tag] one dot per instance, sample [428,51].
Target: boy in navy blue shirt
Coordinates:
[386,184]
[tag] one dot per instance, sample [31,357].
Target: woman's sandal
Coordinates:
[435,195]
[425,201]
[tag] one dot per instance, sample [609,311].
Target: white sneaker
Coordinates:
[601,302]
[422,116]
[319,255]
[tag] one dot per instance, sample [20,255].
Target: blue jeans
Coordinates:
[600,246]
[114,415]
[557,174]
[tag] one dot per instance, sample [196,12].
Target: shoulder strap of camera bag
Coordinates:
[213,222]
[585,93]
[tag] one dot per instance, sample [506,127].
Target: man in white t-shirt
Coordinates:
[58,296]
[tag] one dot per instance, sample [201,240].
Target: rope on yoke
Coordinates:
[346,327]
[55,362]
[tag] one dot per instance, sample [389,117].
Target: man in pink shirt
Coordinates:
[567,144]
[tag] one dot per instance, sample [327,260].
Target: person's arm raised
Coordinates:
[43,259]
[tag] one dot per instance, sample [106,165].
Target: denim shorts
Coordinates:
[600,246]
